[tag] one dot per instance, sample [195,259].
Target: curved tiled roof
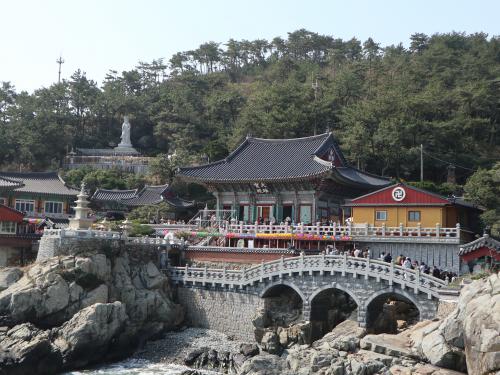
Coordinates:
[259,159]
[7,184]
[485,241]
[113,195]
[149,195]
[39,182]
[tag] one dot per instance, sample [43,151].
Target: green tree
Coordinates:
[483,188]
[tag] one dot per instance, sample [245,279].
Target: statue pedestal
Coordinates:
[123,148]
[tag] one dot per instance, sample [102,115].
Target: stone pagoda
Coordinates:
[81,219]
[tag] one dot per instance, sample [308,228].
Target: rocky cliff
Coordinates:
[466,341]
[71,311]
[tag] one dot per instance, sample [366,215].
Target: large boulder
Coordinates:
[482,327]
[265,364]
[83,308]
[345,336]
[468,339]
[85,338]
[25,349]
[9,276]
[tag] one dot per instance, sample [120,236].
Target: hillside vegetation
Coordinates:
[380,102]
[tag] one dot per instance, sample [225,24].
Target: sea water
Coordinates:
[137,367]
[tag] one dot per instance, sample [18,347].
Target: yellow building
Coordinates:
[410,206]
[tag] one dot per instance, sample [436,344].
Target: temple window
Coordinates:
[24,205]
[413,215]
[53,207]
[381,215]
[8,227]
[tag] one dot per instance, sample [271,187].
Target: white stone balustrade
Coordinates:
[361,231]
[298,266]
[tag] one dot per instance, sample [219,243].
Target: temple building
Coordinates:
[126,200]
[18,238]
[124,156]
[304,180]
[38,195]
[406,205]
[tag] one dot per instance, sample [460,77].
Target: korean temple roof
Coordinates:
[485,241]
[39,182]
[106,152]
[149,195]
[106,195]
[8,184]
[258,159]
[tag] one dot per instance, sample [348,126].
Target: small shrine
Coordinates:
[124,156]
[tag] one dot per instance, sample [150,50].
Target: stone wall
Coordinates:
[445,256]
[220,310]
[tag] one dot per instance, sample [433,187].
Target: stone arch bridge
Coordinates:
[214,298]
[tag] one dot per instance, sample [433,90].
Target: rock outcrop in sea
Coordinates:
[72,311]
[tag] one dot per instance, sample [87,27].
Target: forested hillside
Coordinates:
[381,102]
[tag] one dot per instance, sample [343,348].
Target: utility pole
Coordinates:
[421,162]
[60,61]
[315,88]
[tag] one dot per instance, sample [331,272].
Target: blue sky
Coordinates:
[98,35]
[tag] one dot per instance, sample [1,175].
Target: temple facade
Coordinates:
[303,180]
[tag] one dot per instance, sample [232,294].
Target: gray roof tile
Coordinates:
[40,182]
[280,159]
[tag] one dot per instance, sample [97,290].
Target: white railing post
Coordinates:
[367,227]
[241,226]
[344,264]
[349,228]
[262,270]
[383,229]
[457,235]
[205,276]
[318,227]
[367,269]
[438,229]
[322,265]
[334,228]
[282,266]
[186,272]
[419,229]
[256,227]
[391,273]
[401,229]
[417,280]
[301,264]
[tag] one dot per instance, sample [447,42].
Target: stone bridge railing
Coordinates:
[298,266]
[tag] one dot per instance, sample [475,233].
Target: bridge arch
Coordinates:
[330,305]
[339,287]
[265,291]
[382,317]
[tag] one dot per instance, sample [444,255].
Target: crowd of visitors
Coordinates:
[401,260]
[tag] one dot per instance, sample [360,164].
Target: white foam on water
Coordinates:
[137,367]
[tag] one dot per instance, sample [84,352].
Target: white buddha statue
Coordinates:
[125,138]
